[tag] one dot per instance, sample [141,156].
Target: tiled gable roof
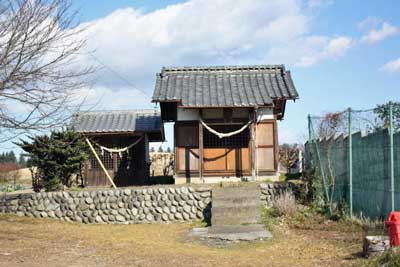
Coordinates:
[226,86]
[117,121]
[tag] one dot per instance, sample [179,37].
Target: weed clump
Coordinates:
[285,203]
[391,258]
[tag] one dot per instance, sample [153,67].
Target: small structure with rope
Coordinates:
[119,142]
[225,119]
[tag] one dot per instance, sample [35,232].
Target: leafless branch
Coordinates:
[40,41]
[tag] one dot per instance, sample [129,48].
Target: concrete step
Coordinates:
[235,215]
[229,193]
[232,233]
[235,210]
[239,202]
[230,214]
[224,221]
[235,206]
[234,228]
[237,197]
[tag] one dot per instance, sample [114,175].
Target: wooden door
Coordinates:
[226,161]
[97,177]
[186,148]
[214,159]
[266,146]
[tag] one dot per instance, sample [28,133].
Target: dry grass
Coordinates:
[23,176]
[45,242]
[285,203]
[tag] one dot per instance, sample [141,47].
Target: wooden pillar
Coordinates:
[86,172]
[201,154]
[175,149]
[276,146]
[253,146]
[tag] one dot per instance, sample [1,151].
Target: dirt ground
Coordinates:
[45,242]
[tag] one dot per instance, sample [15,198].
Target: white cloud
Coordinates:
[319,3]
[392,66]
[369,22]
[377,34]
[136,45]
[99,98]
[311,50]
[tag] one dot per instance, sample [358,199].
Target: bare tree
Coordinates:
[39,78]
[329,127]
[288,155]
[332,124]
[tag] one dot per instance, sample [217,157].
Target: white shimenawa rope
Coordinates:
[223,135]
[118,150]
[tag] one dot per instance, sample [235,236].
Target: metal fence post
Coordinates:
[391,156]
[350,148]
[309,142]
[319,159]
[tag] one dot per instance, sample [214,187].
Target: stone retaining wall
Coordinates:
[269,191]
[138,205]
[157,204]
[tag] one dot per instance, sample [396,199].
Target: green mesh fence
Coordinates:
[350,156]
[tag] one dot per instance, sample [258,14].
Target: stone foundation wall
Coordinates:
[157,204]
[138,205]
[269,191]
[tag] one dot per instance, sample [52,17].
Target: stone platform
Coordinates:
[232,233]
[235,215]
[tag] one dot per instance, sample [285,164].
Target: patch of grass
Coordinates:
[199,224]
[289,176]
[270,217]
[8,188]
[304,239]
[76,189]
[390,258]
[268,181]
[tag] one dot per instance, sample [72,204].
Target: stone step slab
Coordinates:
[230,193]
[238,202]
[225,221]
[235,206]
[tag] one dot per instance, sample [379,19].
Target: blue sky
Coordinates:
[341,53]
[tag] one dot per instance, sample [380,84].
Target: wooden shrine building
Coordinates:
[225,119]
[121,140]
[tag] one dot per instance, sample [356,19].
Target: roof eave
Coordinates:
[120,132]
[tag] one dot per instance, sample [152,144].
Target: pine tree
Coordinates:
[168,149]
[57,157]
[160,149]
[152,149]
[12,157]
[22,161]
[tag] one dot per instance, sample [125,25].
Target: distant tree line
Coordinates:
[9,157]
[160,149]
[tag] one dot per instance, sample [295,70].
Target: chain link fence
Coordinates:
[354,158]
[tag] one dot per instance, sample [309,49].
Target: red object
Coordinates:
[393,227]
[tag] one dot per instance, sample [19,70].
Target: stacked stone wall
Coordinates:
[157,204]
[138,205]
